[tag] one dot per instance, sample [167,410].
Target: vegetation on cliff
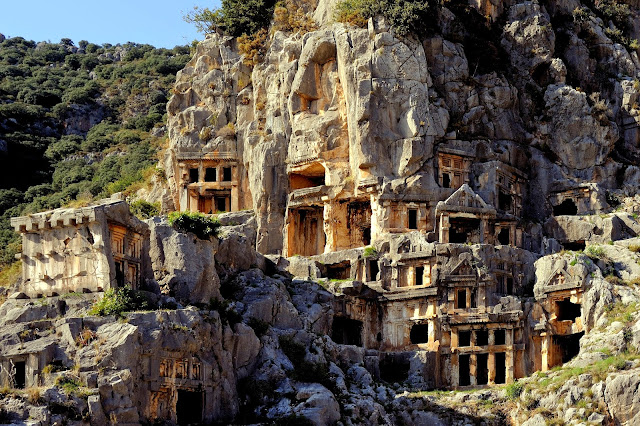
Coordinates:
[75,122]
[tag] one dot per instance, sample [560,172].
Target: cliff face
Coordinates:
[540,88]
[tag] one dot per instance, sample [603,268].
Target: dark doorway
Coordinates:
[189,407]
[419,275]
[21,374]
[569,346]
[221,204]
[501,367]
[503,236]
[574,245]
[461,302]
[509,285]
[366,235]
[499,337]
[504,202]
[210,174]
[339,271]
[193,175]
[373,269]
[567,311]
[482,369]
[464,338]
[226,174]
[446,180]
[482,337]
[413,219]
[393,370]
[567,207]
[346,331]
[461,229]
[463,369]
[119,273]
[419,334]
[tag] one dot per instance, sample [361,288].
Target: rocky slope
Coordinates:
[551,94]
[546,88]
[270,359]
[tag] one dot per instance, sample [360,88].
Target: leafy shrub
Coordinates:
[85,337]
[119,300]
[144,210]
[289,17]
[259,326]
[595,252]
[69,385]
[370,251]
[253,47]
[514,390]
[235,17]
[201,225]
[294,350]
[228,315]
[406,16]
[614,10]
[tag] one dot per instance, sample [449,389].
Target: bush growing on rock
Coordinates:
[514,390]
[117,301]
[199,224]
[406,16]
[144,210]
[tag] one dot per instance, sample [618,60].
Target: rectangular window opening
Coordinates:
[193,175]
[413,219]
[419,275]
[210,174]
[461,302]
[464,338]
[226,174]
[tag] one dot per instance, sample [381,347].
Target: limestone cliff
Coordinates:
[364,115]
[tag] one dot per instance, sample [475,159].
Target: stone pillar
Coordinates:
[473,369]
[491,363]
[328,228]
[510,361]
[443,236]
[455,364]
[545,351]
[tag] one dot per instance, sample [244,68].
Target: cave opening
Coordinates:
[189,407]
[393,370]
[566,208]
[346,331]
[339,271]
[567,311]
[568,346]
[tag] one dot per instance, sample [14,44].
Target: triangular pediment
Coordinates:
[465,197]
[559,277]
[464,267]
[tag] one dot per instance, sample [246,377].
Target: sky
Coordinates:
[155,22]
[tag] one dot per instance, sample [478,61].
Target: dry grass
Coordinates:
[10,274]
